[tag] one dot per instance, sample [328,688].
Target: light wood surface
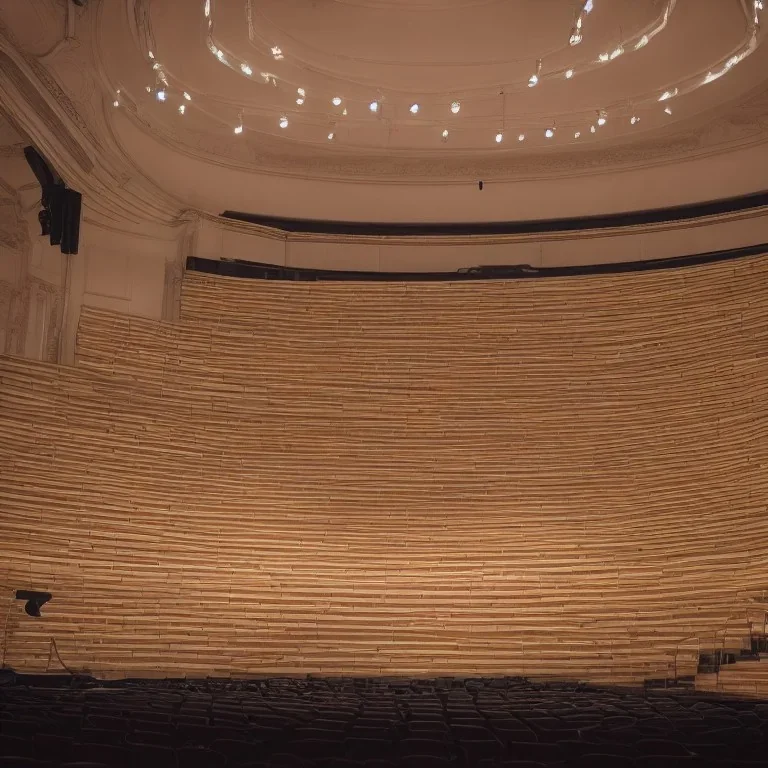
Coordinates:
[553,477]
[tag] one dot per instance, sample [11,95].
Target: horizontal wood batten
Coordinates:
[549,478]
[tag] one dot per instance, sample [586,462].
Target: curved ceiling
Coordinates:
[332,79]
[344,108]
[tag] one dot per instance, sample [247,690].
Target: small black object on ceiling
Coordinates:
[60,213]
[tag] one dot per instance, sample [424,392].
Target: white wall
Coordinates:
[217,238]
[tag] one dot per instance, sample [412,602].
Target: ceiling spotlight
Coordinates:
[634,119]
[336,100]
[283,122]
[455,107]
[577,135]
[187,96]
[182,109]
[238,129]
[35,601]
[277,53]
[246,69]
[160,95]
[331,136]
[533,81]
[414,108]
[374,106]
[549,133]
[521,137]
[300,101]
[568,74]
[444,134]
[499,137]
[115,103]
[668,111]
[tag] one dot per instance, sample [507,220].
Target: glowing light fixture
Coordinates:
[300,101]
[533,81]
[246,69]
[568,74]
[182,109]
[207,8]
[549,133]
[238,129]
[336,101]
[635,119]
[115,103]
[602,118]
[455,107]
[160,95]
[331,136]
[444,134]
[374,106]
[521,137]
[187,96]
[499,137]
[283,122]
[414,109]
[301,92]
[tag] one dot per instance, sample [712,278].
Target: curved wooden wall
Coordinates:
[552,477]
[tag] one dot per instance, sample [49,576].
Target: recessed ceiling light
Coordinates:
[414,108]
[374,106]
[499,137]
[455,107]
[246,69]
[283,122]
[336,100]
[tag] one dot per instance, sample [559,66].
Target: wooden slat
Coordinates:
[559,477]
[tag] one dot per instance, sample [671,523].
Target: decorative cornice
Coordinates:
[745,124]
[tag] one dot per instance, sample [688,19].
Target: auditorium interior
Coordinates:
[383,383]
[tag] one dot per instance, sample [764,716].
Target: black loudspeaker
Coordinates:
[35,600]
[60,216]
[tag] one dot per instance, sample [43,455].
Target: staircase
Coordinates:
[742,672]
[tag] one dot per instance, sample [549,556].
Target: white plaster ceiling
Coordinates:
[246,62]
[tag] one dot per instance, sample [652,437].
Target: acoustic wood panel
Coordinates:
[549,478]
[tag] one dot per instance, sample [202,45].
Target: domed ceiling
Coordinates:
[417,79]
